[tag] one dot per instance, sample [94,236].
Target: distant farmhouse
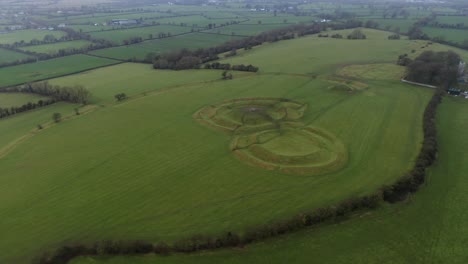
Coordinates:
[124,22]
[461,68]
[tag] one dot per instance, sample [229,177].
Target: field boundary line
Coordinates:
[66,74]
[15,143]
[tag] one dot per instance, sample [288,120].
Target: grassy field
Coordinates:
[118,36]
[105,83]
[430,228]
[453,35]
[27,35]
[18,99]
[403,24]
[55,47]
[196,40]
[146,169]
[9,56]
[50,68]
[453,20]
[247,29]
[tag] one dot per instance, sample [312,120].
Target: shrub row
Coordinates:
[410,182]
[227,66]
[6,112]
[75,94]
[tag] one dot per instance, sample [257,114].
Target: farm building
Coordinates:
[461,68]
[454,91]
[122,22]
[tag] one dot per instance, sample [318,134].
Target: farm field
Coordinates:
[140,157]
[453,20]
[403,24]
[158,46]
[453,35]
[246,29]
[18,99]
[196,20]
[9,56]
[118,36]
[55,47]
[27,35]
[49,68]
[414,232]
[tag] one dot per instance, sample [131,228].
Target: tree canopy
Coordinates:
[435,68]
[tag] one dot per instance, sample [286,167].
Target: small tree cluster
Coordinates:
[394,37]
[338,36]
[226,76]
[357,34]
[120,96]
[404,60]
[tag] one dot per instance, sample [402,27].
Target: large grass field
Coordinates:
[247,29]
[146,169]
[118,36]
[27,35]
[429,228]
[18,99]
[49,68]
[140,50]
[453,35]
[55,47]
[9,56]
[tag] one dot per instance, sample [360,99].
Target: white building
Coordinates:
[461,68]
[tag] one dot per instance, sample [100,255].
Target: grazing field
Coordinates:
[430,227]
[118,36]
[9,56]
[246,29]
[392,24]
[49,68]
[452,35]
[140,50]
[453,20]
[146,168]
[18,99]
[106,82]
[27,35]
[55,47]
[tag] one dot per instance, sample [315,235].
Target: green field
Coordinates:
[247,29]
[453,20]
[55,47]
[118,36]
[18,99]
[140,50]
[9,56]
[27,35]
[147,169]
[50,68]
[430,228]
[453,35]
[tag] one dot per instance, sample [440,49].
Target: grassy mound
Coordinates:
[268,134]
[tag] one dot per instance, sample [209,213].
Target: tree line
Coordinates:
[189,59]
[227,66]
[9,111]
[74,94]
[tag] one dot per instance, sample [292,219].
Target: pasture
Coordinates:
[119,35]
[452,35]
[50,68]
[18,99]
[431,227]
[27,35]
[146,168]
[53,48]
[158,46]
[9,56]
